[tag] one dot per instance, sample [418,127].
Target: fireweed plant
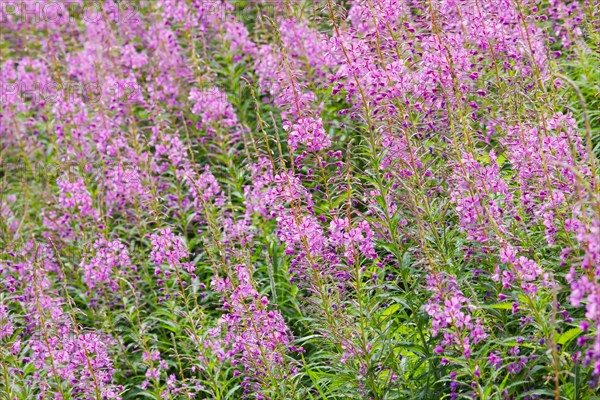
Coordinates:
[362,199]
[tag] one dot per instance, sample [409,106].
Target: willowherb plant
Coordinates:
[299,200]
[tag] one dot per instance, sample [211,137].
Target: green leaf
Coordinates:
[500,306]
[391,310]
[569,335]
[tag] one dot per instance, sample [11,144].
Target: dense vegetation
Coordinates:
[362,199]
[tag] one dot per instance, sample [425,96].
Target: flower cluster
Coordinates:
[109,260]
[255,337]
[169,253]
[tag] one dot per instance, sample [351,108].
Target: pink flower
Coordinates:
[309,132]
